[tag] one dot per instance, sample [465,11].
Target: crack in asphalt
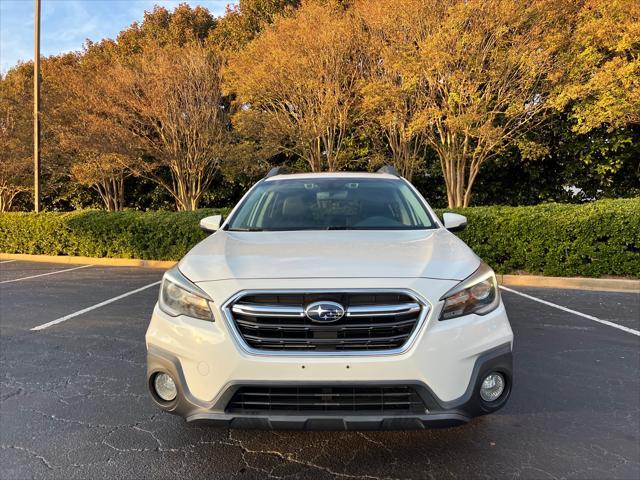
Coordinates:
[289,457]
[230,441]
[244,450]
[30,452]
[375,442]
[86,424]
[97,383]
[19,391]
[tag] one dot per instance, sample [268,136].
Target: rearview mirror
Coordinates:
[211,224]
[454,222]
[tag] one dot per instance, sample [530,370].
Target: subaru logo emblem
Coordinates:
[324,312]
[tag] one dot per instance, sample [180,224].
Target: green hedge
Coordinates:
[93,233]
[593,239]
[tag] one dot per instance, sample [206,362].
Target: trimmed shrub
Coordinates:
[93,233]
[592,239]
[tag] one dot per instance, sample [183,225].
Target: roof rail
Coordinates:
[276,171]
[391,170]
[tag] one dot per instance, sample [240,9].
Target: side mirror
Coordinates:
[454,222]
[211,224]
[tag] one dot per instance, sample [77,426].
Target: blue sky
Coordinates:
[66,24]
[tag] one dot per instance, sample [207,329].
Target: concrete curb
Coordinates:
[111,262]
[575,283]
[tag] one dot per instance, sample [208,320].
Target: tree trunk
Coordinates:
[111,191]
[467,197]
[6,199]
[187,201]
[473,172]
[193,202]
[403,156]
[454,172]
[121,192]
[188,185]
[314,156]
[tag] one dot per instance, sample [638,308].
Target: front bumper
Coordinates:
[438,413]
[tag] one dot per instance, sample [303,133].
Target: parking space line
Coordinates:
[93,307]
[6,261]
[44,274]
[584,315]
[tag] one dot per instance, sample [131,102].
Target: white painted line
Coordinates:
[560,307]
[93,307]
[45,274]
[7,261]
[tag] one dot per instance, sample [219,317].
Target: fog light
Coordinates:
[492,387]
[165,387]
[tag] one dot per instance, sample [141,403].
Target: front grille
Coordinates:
[334,399]
[372,321]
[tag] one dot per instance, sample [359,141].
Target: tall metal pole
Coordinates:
[36,109]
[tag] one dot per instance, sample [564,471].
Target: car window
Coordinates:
[331,204]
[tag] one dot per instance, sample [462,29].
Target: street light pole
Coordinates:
[36,109]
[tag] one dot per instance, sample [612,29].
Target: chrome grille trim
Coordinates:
[361,311]
[267,310]
[420,305]
[383,310]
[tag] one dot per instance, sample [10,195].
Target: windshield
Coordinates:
[348,203]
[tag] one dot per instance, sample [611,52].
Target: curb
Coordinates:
[110,262]
[574,283]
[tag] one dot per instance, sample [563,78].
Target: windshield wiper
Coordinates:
[248,229]
[338,227]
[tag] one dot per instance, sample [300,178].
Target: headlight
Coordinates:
[178,296]
[477,294]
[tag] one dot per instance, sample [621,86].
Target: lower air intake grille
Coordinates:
[333,399]
[369,321]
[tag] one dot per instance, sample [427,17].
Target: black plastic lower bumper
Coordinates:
[332,423]
[438,413]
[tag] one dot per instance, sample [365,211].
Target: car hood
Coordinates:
[433,253]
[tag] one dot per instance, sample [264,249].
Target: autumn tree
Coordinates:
[166,93]
[171,101]
[477,72]
[65,129]
[244,20]
[101,153]
[16,127]
[297,82]
[598,101]
[16,130]
[602,88]
[163,28]
[150,101]
[389,94]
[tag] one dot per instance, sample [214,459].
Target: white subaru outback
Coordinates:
[330,301]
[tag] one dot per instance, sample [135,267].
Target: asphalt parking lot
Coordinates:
[74,401]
